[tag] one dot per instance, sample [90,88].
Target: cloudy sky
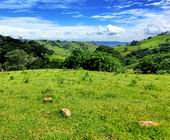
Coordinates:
[84,20]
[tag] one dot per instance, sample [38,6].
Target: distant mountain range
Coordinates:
[109,43]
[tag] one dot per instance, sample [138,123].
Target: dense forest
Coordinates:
[141,56]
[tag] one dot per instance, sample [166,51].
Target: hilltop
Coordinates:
[149,43]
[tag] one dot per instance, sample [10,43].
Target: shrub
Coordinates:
[134,43]
[134,56]
[95,61]
[11,78]
[154,63]
[26,80]
[75,60]
[103,62]
[110,51]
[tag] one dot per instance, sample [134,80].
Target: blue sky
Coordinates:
[84,20]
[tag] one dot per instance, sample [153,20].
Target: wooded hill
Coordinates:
[151,55]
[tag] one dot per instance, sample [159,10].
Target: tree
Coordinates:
[154,63]
[17,60]
[98,61]
[14,54]
[76,59]
[110,51]
[101,61]
[134,43]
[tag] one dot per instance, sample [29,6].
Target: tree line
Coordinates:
[18,54]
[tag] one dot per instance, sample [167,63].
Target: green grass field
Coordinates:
[105,106]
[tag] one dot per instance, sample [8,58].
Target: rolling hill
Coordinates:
[63,48]
[150,43]
[52,54]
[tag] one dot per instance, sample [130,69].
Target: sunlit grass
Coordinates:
[104,105]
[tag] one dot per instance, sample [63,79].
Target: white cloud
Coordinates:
[114,29]
[161,3]
[123,15]
[110,30]
[36,28]
[156,26]
[103,17]
[77,16]
[151,24]
[27,4]
[138,23]
[17,4]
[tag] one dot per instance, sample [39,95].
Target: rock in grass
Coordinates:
[66,112]
[148,123]
[47,99]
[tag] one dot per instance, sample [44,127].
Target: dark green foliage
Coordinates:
[163,72]
[1,69]
[74,61]
[110,51]
[18,54]
[164,33]
[154,63]
[165,44]
[95,61]
[163,48]
[140,53]
[55,64]
[134,43]
[103,62]
[11,78]
[149,38]
[134,56]
[17,60]
[26,80]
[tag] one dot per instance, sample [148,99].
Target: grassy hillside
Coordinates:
[149,55]
[63,48]
[150,43]
[104,105]
[132,55]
